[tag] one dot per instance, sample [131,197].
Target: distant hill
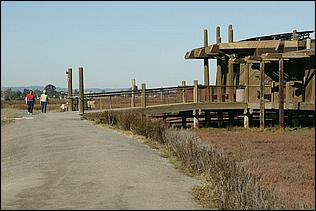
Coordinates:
[58,89]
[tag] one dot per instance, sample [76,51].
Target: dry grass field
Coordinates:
[285,162]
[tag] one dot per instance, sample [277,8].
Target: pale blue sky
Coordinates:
[118,41]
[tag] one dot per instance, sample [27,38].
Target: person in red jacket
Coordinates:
[30,100]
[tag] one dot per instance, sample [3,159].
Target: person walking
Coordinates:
[43,101]
[30,100]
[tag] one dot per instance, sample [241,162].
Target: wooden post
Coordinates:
[220,118]
[195,91]
[219,68]
[246,119]
[100,103]
[219,81]
[281,96]
[143,99]
[289,96]
[195,100]
[69,79]
[231,79]
[133,93]
[162,97]
[195,119]
[230,34]
[184,121]
[262,103]
[81,92]
[206,68]
[247,83]
[110,102]
[295,35]
[218,35]
[183,92]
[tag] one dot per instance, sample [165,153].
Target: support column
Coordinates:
[230,80]
[195,119]
[81,92]
[133,93]
[195,100]
[143,99]
[246,119]
[69,95]
[247,83]
[219,68]
[220,118]
[231,118]
[195,91]
[184,121]
[219,81]
[206,68]
[262,103]
[207,118]
[281,96]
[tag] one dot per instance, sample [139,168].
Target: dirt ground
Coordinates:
[285,161]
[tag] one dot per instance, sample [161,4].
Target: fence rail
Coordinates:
[180,94]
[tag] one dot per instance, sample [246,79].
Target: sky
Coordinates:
[118,41]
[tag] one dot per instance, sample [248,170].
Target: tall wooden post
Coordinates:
[262,103]
[143,98]
[183,92]
[218,68]
[206,65]
[230,34]
[133,93]
[231,79]
[81,92]
[247,82]
[69,79]
[218,35]
[219,81]
[281,96]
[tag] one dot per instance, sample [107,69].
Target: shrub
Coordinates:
[229,184]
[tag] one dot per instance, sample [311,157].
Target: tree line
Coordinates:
[9,94]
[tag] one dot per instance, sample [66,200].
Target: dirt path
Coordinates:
[57,161]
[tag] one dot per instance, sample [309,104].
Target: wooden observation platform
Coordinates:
[265,79]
